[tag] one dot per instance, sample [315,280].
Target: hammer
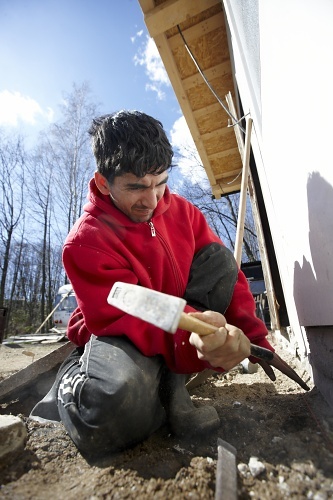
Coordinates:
[165,312]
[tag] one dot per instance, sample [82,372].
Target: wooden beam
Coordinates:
[219,132]
[159,19]
[200,29]
[36,369]
[230,183]
[229,175]
[224,154]
[207,110]
[216,191]
[173,12]
[219,190]
[219,70]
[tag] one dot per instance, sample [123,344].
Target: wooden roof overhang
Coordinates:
[202,24]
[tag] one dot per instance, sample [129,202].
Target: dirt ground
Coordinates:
[283,437]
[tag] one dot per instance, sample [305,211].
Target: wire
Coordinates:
[207,82]
[232,181]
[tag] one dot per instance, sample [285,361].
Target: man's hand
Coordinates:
[228,346]
[225,348]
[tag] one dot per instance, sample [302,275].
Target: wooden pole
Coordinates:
[243,193]
[53,310]
[272,302]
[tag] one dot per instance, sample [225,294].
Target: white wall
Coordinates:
[296,40]
[292,141]
[292,144]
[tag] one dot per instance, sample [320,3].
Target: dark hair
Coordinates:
[130,141]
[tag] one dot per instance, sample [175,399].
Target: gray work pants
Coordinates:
[110,396]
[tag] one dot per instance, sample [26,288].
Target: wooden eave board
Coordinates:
[202,24]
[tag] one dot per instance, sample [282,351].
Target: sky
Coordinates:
[47,45]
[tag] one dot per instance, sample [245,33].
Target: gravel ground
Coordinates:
[283,437]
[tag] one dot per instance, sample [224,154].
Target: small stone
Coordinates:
[243,469]
[284,488]
[13,436]
[256,467]
[320,496]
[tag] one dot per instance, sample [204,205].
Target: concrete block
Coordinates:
[320,340]
[13,436]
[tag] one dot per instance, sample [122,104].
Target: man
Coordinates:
[127,378]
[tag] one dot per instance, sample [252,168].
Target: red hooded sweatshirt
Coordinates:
[105,246]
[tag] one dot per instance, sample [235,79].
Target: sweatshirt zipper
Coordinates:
[152,228]
[170,256]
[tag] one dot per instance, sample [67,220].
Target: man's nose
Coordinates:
[151,198]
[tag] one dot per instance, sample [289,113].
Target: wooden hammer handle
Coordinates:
[191,324]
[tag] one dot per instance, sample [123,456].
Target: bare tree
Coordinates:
[12,165]
[221,214]
[48,188]
[40,189]
[27,293]
[72,154]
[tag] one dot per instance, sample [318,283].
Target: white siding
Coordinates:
[296,40]
[292,139]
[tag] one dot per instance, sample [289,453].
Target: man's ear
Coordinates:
[101,183]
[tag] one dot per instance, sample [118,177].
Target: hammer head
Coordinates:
[158,308]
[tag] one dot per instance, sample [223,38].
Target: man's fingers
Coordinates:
[208,343]
[211,317]
[225,348]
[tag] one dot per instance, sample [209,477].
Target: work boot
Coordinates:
[47,408]
[183,417]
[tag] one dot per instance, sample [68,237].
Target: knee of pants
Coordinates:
[116,396]
[111,430]
[113,413]
[118,380]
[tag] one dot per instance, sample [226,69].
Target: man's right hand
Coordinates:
[225,348]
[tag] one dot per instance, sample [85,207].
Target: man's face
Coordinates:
[137,197]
